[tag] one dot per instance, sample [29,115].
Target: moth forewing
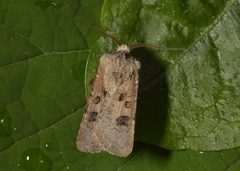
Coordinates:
[109,120]
[86,140]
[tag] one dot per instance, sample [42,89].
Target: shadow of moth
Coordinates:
[109,119]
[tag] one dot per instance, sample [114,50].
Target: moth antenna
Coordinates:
[138,45]
[98,30]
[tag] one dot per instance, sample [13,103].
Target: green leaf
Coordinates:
[187,99]
[181,106]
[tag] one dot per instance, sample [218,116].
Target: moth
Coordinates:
[109,119]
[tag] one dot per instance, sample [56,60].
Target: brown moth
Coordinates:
[109,119]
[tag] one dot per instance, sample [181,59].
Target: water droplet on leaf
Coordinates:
[49,146]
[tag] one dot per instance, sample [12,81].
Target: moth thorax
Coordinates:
[124,48]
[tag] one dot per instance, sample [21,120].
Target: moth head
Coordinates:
[124,48]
